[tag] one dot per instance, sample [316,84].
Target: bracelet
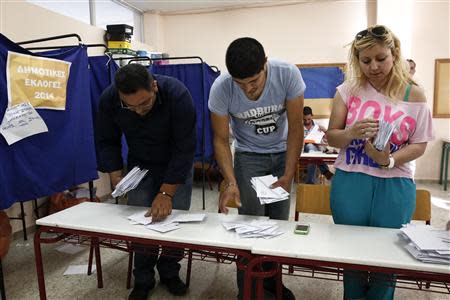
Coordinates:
[230,184]
[165,194]
[390,164]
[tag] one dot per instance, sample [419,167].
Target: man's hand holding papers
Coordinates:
[262,185]
[129,182]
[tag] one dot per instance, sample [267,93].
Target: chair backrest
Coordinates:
[221,189]
[313,199]
[423,206]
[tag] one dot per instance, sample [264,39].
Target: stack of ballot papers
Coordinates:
[427,244]
[129,182]
[263,191]
[254,229]
[168,224]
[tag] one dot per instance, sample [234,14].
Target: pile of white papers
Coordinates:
[129,182]
[427,244]
[385,131]
[168,224]
[254,229]
[263,191]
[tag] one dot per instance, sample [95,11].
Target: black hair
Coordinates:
[307,111]
[245,58]
[133,77]
[411,61]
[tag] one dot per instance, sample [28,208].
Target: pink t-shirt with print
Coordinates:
[413,125]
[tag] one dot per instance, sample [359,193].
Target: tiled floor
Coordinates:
[208,281]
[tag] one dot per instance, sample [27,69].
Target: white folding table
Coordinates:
[341,246]
[109,221]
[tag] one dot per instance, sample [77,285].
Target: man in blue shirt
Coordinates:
[262,100]
[157,116]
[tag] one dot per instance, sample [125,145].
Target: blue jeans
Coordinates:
[246,166]
[311,168]
[146,257]
[364,200]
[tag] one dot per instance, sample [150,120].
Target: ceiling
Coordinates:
[168,7]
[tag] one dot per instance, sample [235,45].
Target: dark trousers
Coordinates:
[145,257]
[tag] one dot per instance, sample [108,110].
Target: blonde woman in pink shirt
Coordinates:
[372,187]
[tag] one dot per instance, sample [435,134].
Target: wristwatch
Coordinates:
[391,163]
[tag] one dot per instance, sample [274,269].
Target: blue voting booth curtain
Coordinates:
[321,82]
[56,160]
[198,78]
[102,71]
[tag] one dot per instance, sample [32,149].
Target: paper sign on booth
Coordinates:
[38,80]
[21,121]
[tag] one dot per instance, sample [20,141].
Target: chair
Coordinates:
[423,206]
[312,199]
[315,199]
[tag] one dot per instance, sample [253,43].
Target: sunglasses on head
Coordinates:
[377,32]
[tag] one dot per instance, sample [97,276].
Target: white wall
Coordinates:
[317,33]
[302,33]
[430,40]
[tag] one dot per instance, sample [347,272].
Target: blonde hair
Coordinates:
[399,74]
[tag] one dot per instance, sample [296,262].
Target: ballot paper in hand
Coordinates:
[266,194]
[21,121]
[315,136]
[129,182]
[385,131]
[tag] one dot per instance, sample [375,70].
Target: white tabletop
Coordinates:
[369,246]
[112,219]
[318,155]
[325,242]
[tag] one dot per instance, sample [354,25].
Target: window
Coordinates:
[106,12]
[77,9]
[109,12]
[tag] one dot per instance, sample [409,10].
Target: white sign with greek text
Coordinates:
[21,121]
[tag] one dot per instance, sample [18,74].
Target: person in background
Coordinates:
[372,187]
[412,66]
[262,100]
[308,126]
[157,116]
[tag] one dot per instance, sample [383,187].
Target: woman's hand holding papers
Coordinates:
[364,129]
[380,157]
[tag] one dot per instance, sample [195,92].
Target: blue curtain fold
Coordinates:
[56,160]
[102,71]
[198,79]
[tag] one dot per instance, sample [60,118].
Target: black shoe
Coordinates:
[140,292]
[285,295]
[175,285]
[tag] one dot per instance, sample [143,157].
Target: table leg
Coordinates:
[2,283]
[98,262]
[39,265]
[441,169]
[447,150]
